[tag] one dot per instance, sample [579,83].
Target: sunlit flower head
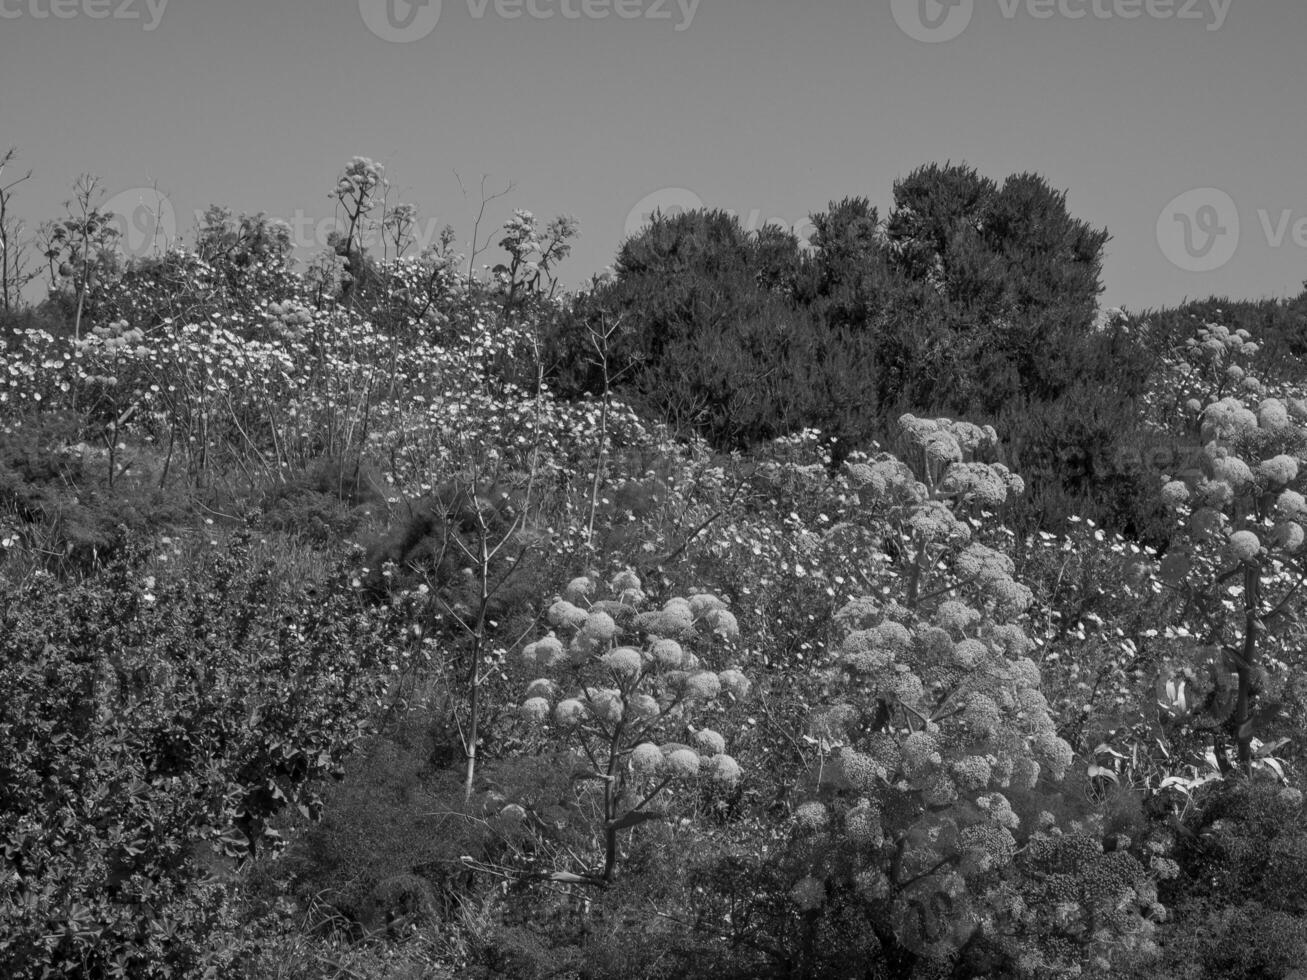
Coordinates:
[1272,414]
[934,643]
[647,759]
[941,447]
[709,742]
[1288,536]
[1244,546]
[579,588]
[938,789]
[703,686]
[861,771]
[907,688]
[605,704]
[969,654]
[956,615]
[569,713]
[704,602]
[683,763]
[668,653]
[1232,470]
[1026,672]
[999,809]
[642,706]
[1175,493]
[891,635]
[541,688]
[722,622]
[811,817]
[1011,598]
[1278,470]
[934,521]
[1216,493]
[600,626]
[675,620]
[624,662]
[977,483]
[987,846]
[920,752]
[564,614]
[1291,504]
[972,772]
[734,682]
[1053,752]
[723,769]
[1012,639]
[862,825]
[546,652]
[625,580]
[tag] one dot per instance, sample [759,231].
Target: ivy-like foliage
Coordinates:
[621,687]
[935,812]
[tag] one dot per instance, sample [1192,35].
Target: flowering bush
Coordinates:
[623,689]
[1232,569]
[930,811]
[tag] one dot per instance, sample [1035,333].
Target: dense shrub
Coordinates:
[151,724]
[709,339]
[70,505]
[1241,897]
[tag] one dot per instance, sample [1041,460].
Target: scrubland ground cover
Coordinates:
[874,609]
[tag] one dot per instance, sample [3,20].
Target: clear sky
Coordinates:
[769,108]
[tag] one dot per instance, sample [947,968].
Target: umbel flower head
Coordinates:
[624,662]
[647,758]
[1288,536]
[1244,546]
[1175,493]
[1279,470]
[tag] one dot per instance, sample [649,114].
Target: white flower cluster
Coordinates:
[1253,449]
[631,683]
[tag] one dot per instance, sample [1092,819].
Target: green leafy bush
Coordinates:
[150,725]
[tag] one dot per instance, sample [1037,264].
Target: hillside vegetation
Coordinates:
[873,607]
